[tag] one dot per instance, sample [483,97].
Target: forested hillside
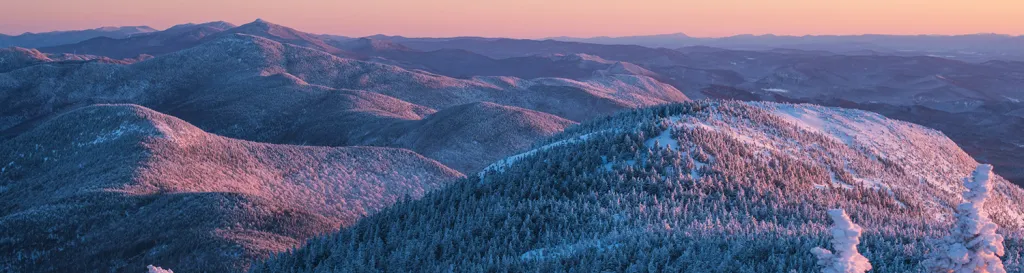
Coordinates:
[113,188]
[695,187]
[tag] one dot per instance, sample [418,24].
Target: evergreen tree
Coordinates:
[157,269]
[845,238]
[974,246]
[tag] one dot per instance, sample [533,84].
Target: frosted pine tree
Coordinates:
[974,246]
[845,237]
[157,269]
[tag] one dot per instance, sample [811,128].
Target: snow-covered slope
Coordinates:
[16,57]
[878,138]
[112,188]
[694,187]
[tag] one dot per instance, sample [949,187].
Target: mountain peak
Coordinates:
[284,34]
[126,29]
[215,24]
[260,21]
[17,57]
[104,122]
[262,24]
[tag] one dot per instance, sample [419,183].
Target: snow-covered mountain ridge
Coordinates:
[695,187]
[112,188]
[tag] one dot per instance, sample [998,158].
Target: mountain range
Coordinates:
[151,43]
[216,147]
[228,86]
[973,103]
[34,40]
[211,130]
[971,47]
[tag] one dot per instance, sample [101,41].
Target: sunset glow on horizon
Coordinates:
[536,18]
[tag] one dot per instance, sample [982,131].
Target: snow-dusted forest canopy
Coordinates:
[694,187]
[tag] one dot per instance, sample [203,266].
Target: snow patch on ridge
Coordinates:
[123,129]
[776,90]
[501,165]
[873,135]
[663,140]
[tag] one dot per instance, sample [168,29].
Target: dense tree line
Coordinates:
[620,200]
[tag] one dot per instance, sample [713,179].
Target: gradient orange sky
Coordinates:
[535,18]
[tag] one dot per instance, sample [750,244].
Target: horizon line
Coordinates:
[679,33]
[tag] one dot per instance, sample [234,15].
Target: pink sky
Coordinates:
[535,18]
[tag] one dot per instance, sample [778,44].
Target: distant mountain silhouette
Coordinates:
[973,47]
[154,43]
[44,39]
